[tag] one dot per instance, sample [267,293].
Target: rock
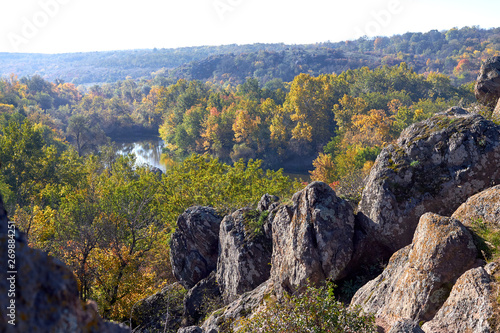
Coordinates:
[420,276]
[195,245]
[222,319]
[200,299]
[487,88]
[434,167]
[44,291]
[190,329]
[163,309]
[267,202]
[495,116]
[469,306]
[406,326]
[483,207]
[244,253]
[312,239]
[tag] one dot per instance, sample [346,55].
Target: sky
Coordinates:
[61,26]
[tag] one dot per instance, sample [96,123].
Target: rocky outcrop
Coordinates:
[44,291]
[312,238]
[469,306]
[190,329]
[495,116]
[244,252]
[433,167]
[419,277]
[268,202]
[406,326]
[487,88]
[228,316]
[194,247]
[199,299]
[482,208]
[163,309]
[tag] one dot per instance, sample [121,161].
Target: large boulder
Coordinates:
[39,293]
[201,299]
[226,318]
[469,307]
[434,166]
[163,309]
[312,239]
[195,245]
[482,208]
[487,89]
[420,276]
[244,253]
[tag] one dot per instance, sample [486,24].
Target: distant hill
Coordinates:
[268,65]
[111,66]
[455,52]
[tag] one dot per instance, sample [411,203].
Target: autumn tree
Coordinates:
[309,105]
[87,137]
[29,161]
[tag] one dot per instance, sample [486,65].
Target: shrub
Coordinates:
[316,310]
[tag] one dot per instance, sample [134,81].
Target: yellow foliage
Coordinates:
[372,129]
[367,167]
[244,126]
[302,131]
[7,108]
[347,108]
[38,224]
[324,169]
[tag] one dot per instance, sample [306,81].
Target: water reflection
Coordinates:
[147,151]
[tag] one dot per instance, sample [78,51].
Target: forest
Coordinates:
[456,52]
[227,142]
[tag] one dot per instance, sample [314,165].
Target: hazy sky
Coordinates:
[55,26]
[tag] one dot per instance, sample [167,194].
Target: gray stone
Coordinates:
[190,329]
[312,239]
[244,255]
[199,299]
[195,245]
[433,167]
[267,202]
[406,326]
[469,306]
[487,88]
[420,276]
[227,317]
[163,309]
[482,208]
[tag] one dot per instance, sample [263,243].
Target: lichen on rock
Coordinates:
[244,254]
[458,155]
[312,239]
[420,276]
[194,246]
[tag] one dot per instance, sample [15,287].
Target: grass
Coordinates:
[487,239]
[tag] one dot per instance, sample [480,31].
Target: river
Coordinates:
[146,151]
[149,151]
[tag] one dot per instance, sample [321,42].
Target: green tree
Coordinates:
[309,104]
[29,162]
[87,138]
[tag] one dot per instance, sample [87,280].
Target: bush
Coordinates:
[316,310]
